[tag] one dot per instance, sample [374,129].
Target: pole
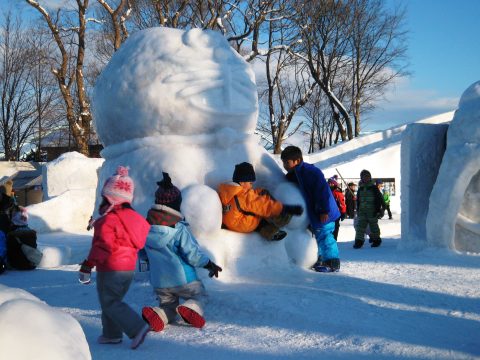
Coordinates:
[341,177]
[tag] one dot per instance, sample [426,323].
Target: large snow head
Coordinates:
[166,81]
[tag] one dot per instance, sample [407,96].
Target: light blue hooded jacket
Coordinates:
[173,254]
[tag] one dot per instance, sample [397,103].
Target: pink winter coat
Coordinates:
[117,238]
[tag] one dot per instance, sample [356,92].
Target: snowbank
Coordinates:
[31,329]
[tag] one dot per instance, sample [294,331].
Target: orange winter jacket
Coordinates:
[244,209]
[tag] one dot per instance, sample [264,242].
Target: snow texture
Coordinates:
[454,210]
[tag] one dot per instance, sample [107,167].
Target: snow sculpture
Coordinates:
[453,218]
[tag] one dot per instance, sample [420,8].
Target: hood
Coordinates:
[161,235]
[227,191]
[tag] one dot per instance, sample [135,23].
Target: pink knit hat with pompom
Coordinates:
[118,188]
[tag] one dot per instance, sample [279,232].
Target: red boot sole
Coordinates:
[153,319]
[191,317]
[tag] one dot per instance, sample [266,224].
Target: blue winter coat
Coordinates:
[3,245]
[316,193]
[173,254]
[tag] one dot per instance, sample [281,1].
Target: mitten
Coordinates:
[342,217]
[85,272]
[212,268]
[292,210]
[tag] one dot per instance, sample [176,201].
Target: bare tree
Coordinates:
[378,47]
[49,113]
[68,29]
[288,85]
[324,27]
[17,103]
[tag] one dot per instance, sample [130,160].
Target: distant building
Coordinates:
[27,183]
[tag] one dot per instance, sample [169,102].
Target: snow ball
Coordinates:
[289,194]
[202,209]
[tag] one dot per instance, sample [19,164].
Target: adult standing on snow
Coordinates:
[386,198]
[351,200]
[119,234]
[322,209]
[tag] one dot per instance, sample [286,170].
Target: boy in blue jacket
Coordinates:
[173,254]
[322,209]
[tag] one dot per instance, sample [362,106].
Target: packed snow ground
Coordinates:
[385,303]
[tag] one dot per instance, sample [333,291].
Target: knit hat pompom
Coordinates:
[168,194]
[119,188]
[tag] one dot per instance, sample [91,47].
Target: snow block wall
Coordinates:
[453,219]
[69,184]
[423,146]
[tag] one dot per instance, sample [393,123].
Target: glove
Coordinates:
[212,268]
[379,216]
[296,210]
[85,272]
[342,217]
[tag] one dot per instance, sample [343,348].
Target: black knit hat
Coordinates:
[365,173]
[244,173]
[167,194]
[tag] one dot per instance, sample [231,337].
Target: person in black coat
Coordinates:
[20,234]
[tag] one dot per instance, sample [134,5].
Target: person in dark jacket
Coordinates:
[322,210]
[20,233]
[351,200]
[369,209]
[7,204]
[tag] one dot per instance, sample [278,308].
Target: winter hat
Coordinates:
[7,188]
[20,216]
[118,188]
[167,194]
[378,182]
[332,182]
[364,174]
[244,173]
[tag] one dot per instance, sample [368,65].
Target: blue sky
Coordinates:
[444,57]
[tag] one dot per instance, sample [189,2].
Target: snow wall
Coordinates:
[423,146]
[453,218]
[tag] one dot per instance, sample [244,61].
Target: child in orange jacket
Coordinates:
[246,209]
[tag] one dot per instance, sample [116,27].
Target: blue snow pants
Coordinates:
[327,246]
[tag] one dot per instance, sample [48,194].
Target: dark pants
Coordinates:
[337,228]
[387,207]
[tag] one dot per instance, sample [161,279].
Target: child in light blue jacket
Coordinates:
[173,254]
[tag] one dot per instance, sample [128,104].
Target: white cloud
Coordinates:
[402,95]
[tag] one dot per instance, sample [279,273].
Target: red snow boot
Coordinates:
[190,316]
[153,319]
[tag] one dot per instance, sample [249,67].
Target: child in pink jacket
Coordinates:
[119,233]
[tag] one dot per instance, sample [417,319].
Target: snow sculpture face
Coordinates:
[166,81]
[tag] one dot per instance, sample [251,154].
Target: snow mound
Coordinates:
[31,329]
